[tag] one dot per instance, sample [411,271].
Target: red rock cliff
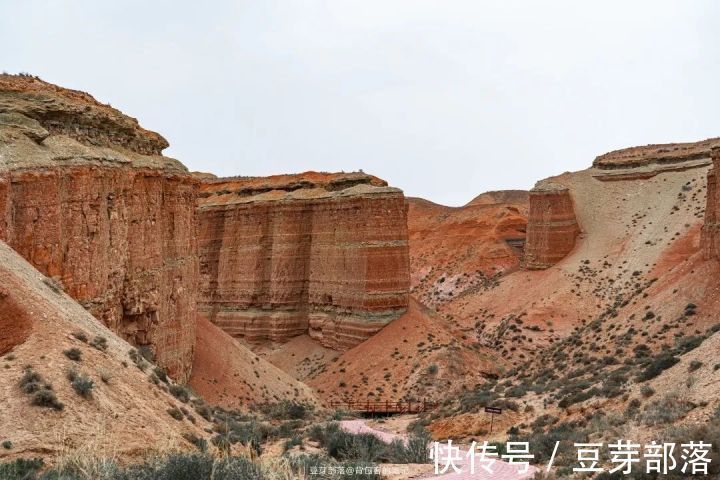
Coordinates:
[87,198]
[552,226]
[710,240]
[324,254]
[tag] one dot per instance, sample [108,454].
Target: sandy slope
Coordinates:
[414,357]
[126,417]
[229,375]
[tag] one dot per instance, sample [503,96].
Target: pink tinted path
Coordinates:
[500,470]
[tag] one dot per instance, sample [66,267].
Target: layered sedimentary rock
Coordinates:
[649,160]
[87,198]
[552,226]
[710,239]
[324,254]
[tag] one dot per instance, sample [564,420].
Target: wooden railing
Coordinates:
[385,407]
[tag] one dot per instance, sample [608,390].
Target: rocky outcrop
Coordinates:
[710,238]
[86,197]
[641,163]
[324,254]
[552,226]
[661,154]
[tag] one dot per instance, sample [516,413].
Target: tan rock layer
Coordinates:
[552,226]
[710,238]
[335,266]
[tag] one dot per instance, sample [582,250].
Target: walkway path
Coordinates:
[501,470]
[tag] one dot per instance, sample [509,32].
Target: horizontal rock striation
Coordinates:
[86,197]
[552,226]
[324,254]
[661,154]
[710,238]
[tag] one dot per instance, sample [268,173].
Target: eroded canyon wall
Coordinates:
[87,198]
[710,238]
[552,226]
[324,254]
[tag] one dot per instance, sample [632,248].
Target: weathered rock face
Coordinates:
[324,254]
[710,239]
[86,197]
[552,226]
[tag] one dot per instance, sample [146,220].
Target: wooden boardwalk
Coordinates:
[385,407]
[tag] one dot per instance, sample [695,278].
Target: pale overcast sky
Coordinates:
[443,98]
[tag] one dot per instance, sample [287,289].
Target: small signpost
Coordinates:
[492,411]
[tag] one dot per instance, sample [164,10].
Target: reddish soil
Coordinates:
[228,374]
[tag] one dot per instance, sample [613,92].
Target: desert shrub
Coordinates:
[99,343]
[45,397]
[543,443]
[687,344]
[368,448]
[694,365]
[294,441]
[415,450]
[302,466]
[161,374]
[138,359]
[287,429]
[175,413]
[647,391]
[542,421]
[147,353]
[31,381]
[180,392]
[80,336]
[204,411]
[74,354]
[658,365]
[474,400]
[20,469]
[286,410]
[83,385]
[7,444]
[249,433]
[665,410]
[432,369]
[180,466]
[517,391]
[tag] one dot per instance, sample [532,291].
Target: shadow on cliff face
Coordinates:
[15,324]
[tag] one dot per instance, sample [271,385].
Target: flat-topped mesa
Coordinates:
[318,253]
[86,197]
[552,226]
[710,238]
